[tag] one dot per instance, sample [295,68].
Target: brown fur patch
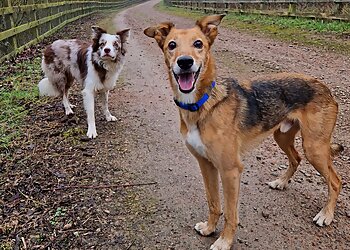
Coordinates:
[96,38]
[49,55]
[68,50]
[100,71]
[81,59]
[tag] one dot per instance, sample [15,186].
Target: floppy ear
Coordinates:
[209,26]
[159,32]
[124,35]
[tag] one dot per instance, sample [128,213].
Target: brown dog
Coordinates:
[219,123]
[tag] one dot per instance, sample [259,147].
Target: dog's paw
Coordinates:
[323,218]
[72,106]
[111,118]
[69,111]
[278,184]
[203,229]
[91,133]
[221,244]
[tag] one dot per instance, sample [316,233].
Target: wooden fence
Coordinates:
[26,22]
[315,9]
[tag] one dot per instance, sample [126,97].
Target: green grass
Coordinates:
[18,90]
[302,30]
[300,23]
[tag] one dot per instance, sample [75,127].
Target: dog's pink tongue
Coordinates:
[186,81]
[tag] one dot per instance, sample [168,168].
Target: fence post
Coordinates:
[37,34]
[14,39]
[292,8]
[338,8]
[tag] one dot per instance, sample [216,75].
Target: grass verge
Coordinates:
[18,93]
[333,35]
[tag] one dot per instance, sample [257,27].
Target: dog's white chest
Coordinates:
[194,139]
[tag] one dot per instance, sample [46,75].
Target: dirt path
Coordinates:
[145,146]
[160,155]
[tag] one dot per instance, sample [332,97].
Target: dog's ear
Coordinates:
[97,31]
[124,35]
[159,32]
[209,26]
[96,35]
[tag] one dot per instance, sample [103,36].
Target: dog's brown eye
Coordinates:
[198,44]
[172,45]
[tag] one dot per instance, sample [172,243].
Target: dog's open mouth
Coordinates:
[187,80]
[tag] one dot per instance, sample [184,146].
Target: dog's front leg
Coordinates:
[89,104]
[230,177]
[211,183]
[105,109]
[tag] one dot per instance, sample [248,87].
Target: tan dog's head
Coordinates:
[187,52]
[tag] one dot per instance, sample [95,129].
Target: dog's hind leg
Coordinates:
[318,154]
[286,142]
[66,104]
[105,110]
[68,79]
[211,183]
[316,131]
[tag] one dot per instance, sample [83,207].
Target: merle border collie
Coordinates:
[95,65]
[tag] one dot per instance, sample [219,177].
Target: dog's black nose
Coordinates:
[185,62]
[107,50]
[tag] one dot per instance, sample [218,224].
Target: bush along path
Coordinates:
[62,191]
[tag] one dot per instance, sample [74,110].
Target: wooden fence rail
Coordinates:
[26,22]
[315,9]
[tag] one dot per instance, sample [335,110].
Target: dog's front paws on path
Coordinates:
[323,218]
[91,133]
[111,118]
[203,229]
[221,244]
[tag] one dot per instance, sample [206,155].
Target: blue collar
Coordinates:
[193,107]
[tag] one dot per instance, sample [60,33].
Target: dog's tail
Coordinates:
[47,88]
[336,149]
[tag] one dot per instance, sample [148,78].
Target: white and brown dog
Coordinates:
[95,65]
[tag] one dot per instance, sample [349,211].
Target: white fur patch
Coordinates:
[187,98]
[47,88]
[194,139]
[286,126]
[324,217]
[278,184]
[221,244]
[203,228]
